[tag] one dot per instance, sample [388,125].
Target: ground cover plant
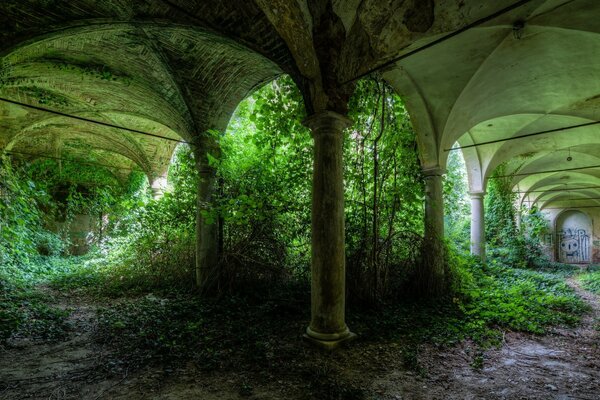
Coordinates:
[591,280]
[167,327]
[26,309]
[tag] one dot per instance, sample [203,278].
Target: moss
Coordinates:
[45,97]
[97,71]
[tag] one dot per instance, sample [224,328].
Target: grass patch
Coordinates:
[110,276]
[591,281]
[263,331]
[491,301]
[27,312]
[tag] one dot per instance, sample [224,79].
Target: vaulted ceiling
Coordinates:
[176,68]
[532,70]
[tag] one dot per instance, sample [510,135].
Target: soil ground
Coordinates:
[564,364]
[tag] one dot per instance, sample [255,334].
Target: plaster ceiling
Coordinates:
[497,82]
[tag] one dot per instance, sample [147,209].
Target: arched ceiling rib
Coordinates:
[487,72]
[497,81]
[184,65]
[166,80]
[472,158]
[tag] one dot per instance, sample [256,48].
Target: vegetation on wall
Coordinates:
[45,97]
[500,213]
[519,246]
[20,216]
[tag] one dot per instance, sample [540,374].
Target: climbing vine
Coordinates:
[516,246]
[500,209]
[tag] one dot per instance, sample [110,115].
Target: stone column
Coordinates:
[434,203]
[432,272]
[207,230]
[328,287]
[477,225]
[158,186]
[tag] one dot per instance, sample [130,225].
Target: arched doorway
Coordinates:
[573,231]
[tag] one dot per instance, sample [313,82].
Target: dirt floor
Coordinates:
[564,364]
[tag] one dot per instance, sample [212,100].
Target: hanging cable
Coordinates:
[91,121]
[11,152]
[562,208]
[546,172]
[524,136]
[440,40]
[559,190]
[582,199]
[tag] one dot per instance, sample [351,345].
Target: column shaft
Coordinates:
[434,204]
[431,277]
[477,225]
[207,243]
[328,326]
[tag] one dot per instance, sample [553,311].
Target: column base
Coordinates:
[328,344]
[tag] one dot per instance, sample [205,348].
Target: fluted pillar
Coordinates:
[477,225]
[328,270]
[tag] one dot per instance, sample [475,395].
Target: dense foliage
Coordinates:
[591,280]
[20,217]
[265,190]
[144,249]
[384,194]
[457,210]
[151,243]
[265,175]
[519,246]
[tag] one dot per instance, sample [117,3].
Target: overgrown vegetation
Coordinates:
[516,246]
[457,209]
[143,249]
[591,281]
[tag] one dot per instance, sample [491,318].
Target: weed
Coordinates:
[591,281]
[477,363]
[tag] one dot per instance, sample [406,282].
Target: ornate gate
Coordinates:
[574,246]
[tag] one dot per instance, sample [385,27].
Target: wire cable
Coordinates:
[91,121]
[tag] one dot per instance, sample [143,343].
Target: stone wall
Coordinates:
[80,232]
[568,230]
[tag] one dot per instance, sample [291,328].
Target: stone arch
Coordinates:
[427,135]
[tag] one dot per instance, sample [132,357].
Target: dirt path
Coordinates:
[31,369]
[77,368]
[562,365]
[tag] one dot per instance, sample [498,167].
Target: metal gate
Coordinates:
[573,246]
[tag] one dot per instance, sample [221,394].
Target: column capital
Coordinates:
[435,171]
[477,195]
[328,122]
